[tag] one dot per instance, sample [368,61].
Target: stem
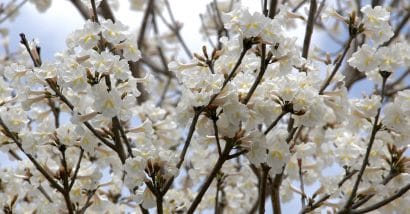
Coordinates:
[399,28]
[316,205]
[272,8]
[184,150]
[302,186]
[66,185]
[218,144]
[277,181]
[38,166]
[379,204]
[210,178]
[309,28]
[274,123]
[117,139]
[246,46]
[262,188]
[15,9]
[80,7]
[216,211]
[56,89]
[337,66]
[77,168]
[176,30]
[144,23]
[94,8]
[160,209]
[259,77]
[375,128]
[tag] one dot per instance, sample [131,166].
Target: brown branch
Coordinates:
[275,193]
[14,10]
[176,30]
[315,205]
[204,187]
[262,188]
[365,162]
[81,8]
[144,23]
[218,144]
[399,27]
[385,201]
[77,168]
[58,92]
[302,185]
[337,66]
[65,177]
[106,11]
[117,139]
[275,122]
[309,28]
[38,166]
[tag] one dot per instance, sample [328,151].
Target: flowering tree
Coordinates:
[127,121]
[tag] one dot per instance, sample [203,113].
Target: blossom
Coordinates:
[374,17]
[14,118]
[389,58]
[87,37]
[364,59]
[107,102]
[395,118]
[113,32]
[130,49]
[367,107]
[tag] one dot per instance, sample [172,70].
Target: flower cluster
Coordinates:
[108,126]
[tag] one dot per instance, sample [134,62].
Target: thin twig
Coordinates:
[77,169]
[385,201]
[38,166]
[176,30]
[275,193]
[273,124]
[15,9]
[262,187]
[337,66]
[302,185]
[315,205]
[375,128]
[218,144]
[117,139]
[204,187]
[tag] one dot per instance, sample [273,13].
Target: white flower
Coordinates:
[278,156]
[130,49]
[364,59]
[395,118]
[236,112]
[252,25]
[14,118]
[121,69]
[107,102]
[66,134]
[389,58]
[403,100]
[113,32]
[305,150]
[376,23]
[87,37]
[367,107]
[374,17]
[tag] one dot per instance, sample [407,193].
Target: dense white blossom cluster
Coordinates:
[113,125]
